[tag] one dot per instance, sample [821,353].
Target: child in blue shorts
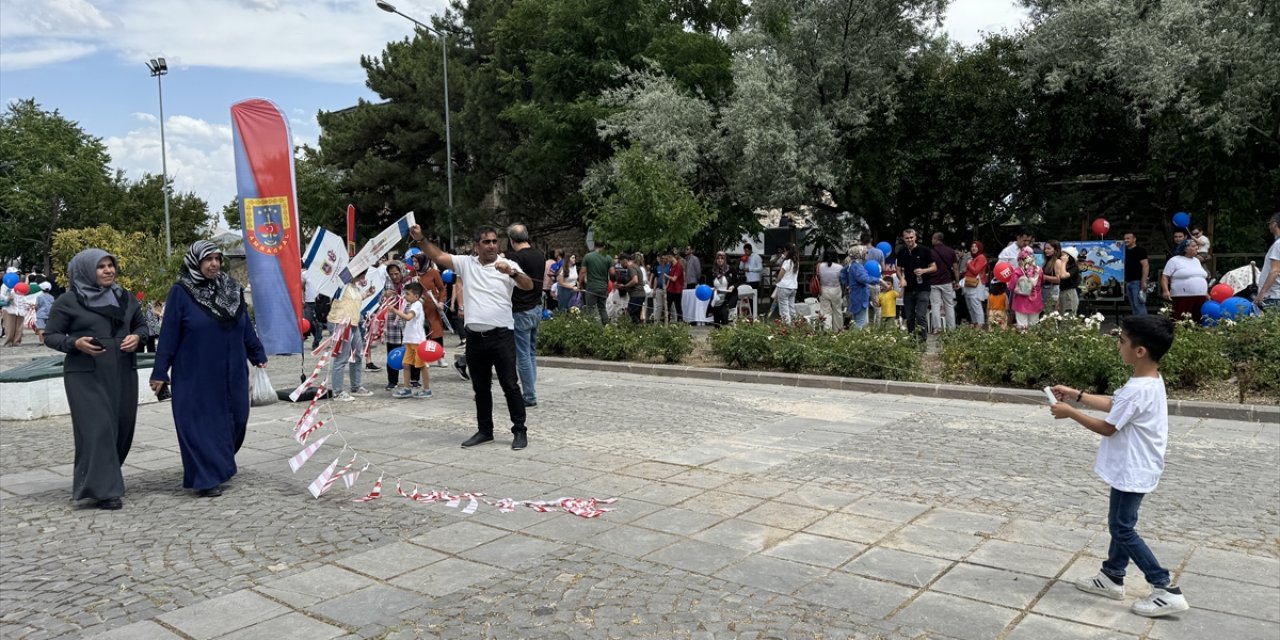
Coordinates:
[1130,459]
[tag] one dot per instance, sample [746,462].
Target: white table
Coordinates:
[694,310]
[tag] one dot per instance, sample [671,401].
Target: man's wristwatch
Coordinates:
[1080,396]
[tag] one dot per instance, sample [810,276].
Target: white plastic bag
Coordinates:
[260,390]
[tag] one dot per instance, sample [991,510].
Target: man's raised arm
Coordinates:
[442,259]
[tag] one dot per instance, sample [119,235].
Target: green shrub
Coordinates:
[744,345]
[883,354]
[582,336]
[669,342]
[1196,357]
[1252,346]
[1067,351]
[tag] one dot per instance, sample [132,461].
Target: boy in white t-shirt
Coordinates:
[414,335]
[1130,459]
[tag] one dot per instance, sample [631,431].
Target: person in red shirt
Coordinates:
[675,285]
[975,283]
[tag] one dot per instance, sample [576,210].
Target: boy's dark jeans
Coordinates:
[1126,544]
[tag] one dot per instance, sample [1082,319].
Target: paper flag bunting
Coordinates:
[373,495]
[321,483]
[303,456]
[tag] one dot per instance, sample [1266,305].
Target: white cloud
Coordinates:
[968,20]
[320,40]
[43,52]
[200,154]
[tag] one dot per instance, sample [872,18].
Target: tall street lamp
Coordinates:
[159,68]
[448,138]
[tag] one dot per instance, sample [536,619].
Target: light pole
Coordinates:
[448,138]
[159,68]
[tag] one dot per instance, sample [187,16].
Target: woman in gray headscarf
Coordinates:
[99,326]
[206,340]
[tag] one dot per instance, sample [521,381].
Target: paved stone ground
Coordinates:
[746,511]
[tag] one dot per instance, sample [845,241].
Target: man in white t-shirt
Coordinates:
[487,284]
[1269,291]
[1009,254]
[1135,434]
[753,266]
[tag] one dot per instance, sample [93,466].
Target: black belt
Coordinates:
[496,331]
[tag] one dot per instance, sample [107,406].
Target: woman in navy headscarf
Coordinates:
[100,327]
[206,339]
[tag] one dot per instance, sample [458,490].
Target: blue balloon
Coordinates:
[885,248]
[1182,219]
[447,276]
[703,292]
[11,280]
[395,358]
[413,251]
[873,268]
[1236,308]
[546,314]
[1211,310]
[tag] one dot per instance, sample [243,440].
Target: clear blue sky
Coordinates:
[86,59]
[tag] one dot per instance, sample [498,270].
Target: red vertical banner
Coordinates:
[351,225]
[269,216]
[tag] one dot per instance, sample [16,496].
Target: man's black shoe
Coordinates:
[461,366]
[530,403]
[110,504]
[372,367]
[478,438]
[210,493]
[520,441]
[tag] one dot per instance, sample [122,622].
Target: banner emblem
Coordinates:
[270,223]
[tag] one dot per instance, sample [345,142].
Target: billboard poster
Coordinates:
[1101,268]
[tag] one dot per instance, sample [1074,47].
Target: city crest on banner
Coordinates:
[269,232]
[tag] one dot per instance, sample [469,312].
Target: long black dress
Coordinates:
[101,390]
[208,361]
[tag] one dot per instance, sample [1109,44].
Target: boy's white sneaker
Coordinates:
[1160,603]
[1102,585]
[343,397]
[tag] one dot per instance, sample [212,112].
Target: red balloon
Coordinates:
[22,288]
[1101,227]
[140,296]
[1221,292]
[304,326]
[430,351]
[1004,272]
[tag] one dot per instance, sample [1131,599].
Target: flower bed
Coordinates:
[881,354]
[1075,352]
[578,335]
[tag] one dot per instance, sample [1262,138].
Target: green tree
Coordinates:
[640,202]
[52,175]
[140,257]
[139,206]
[1195,84]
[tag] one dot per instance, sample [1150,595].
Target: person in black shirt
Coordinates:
[915,263]
[526,310]
[1136,270]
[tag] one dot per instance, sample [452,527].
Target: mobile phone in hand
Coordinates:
[96,342]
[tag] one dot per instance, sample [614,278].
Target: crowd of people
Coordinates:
[203,335]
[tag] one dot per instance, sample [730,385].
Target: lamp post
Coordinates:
[158,68]
[448,138]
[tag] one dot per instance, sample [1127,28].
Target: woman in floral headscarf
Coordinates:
[100,327]
[206,341]
[1027,287]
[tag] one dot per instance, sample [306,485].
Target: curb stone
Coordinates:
[1184,408]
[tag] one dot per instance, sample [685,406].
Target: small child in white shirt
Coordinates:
[1131,460]
[414,335]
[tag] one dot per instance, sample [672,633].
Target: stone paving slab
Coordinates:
[788,512]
